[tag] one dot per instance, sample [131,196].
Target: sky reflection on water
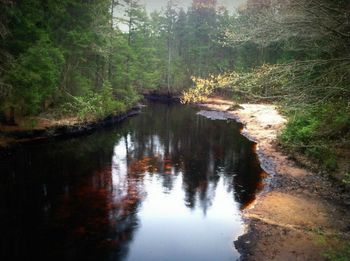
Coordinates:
[166,185]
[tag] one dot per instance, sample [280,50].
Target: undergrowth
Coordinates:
[318,131]
[98,105]
[342,254]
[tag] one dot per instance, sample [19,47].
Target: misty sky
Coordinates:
[158,4]
[152,5]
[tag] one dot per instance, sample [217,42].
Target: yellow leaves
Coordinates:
[204,87]
[264,81]
[254,82]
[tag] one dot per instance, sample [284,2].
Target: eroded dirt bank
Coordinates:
[12,136]
[300,215]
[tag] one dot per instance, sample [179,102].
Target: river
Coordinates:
[167,184]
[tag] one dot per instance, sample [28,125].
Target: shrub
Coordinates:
[339,255]
[94,105]
[317,130]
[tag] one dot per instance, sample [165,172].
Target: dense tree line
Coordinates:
[58,52]
[92,58]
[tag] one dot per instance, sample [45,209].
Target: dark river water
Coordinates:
[167,184]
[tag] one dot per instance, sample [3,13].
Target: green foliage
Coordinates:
[339,255]
[94,105]
[60,47]
[35,76]
[76,47]
[80,85]
[71,54]
[346,179]
[318,130]
[184,44]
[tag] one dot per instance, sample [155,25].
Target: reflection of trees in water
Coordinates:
[83,204]
[100,221]
[64,204]
[170,139]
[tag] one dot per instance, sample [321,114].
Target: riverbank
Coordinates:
[300,214]
[12,136]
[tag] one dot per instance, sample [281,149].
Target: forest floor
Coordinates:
[300,214]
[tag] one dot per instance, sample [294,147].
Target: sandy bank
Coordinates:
[300,214]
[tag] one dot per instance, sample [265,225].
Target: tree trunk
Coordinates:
[10,116]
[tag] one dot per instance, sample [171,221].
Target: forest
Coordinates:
[177,182]
[91,59]
[73,56]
